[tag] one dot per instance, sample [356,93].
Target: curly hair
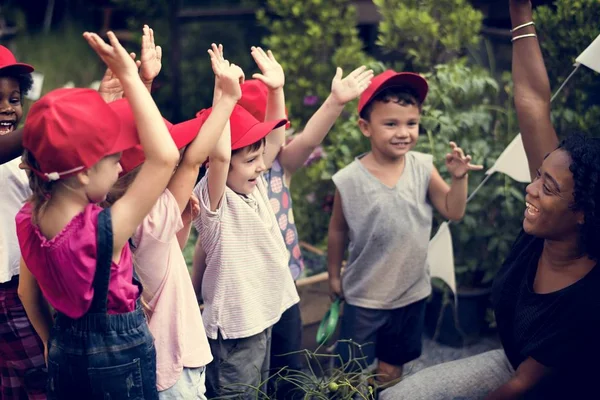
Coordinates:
[25,81]
[585,167]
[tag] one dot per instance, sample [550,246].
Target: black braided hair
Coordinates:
[585,167]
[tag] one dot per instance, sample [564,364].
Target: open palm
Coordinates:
[151,58]
[352,86]
[271,71]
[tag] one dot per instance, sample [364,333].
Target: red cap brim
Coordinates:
[16,69]
[257,132]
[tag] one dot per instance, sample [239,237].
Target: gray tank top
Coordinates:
[389,232]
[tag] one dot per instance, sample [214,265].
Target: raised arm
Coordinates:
[295,154]
[183,180]
[532,88]
[159,149]
[273,77]
[11,145]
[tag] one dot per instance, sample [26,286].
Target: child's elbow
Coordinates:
[22,294]
[456,216]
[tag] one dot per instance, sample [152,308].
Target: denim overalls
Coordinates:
[102,356]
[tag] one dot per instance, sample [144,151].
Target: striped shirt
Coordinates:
[247,284]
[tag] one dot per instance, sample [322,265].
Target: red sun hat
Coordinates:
[245,128]
[9,64]
[182,134]
[254,99]
[70,130]
[393,78]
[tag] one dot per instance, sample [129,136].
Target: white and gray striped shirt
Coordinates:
[247,284]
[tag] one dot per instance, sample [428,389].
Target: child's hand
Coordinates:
[151,56]
[113,55]
[352,86]
[335,289]
[229,76]
[458,164]
[272,73]
[218,52]
[110,87]
[193,208]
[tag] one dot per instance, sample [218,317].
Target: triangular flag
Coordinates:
[440,257]
[36,89]
[513,162]
[591,56]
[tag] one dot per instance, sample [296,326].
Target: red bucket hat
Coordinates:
[9,64]
[392,78]
[182,134]
[245,128]
[70,130]
[254,99]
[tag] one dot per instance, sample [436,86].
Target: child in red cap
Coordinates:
[21,350]
[246,285]
[74,253]
[286,341]
[181,344]
[384,205]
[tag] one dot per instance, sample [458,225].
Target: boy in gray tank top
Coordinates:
[383,208]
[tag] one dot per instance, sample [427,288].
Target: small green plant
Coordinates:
[346,381]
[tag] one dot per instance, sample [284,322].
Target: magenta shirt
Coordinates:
[64,266]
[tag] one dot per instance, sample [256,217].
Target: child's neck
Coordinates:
[384,161]
[64,205]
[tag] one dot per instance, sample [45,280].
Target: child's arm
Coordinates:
[198,267]
[451,201]
[273,77]
[295,154]
[11,146]
[532,90]
[183,180]
[35,305]
[159,149]
[110,87]
[336,246]
[189,214]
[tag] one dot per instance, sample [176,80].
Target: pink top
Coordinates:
[64,266]
[175,319]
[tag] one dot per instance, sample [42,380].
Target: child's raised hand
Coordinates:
[272,73]
[458,164]
[230,81]
[114,55]
[352,86]
[151,56]
[110,86]
[216,57]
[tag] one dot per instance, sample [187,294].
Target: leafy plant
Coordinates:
[310,39]
[565,30]
[418,34]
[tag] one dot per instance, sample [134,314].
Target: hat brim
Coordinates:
[128,137]
[409,79]
[16,69]
[184,132]
[257,132]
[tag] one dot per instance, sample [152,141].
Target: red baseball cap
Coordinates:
[245,128]
[9,64]
[182,134]
[254,99]
[393,78]
[70,130]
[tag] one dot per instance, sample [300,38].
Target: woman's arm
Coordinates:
[529,373]
[532,89]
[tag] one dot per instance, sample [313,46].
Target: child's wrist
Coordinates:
[461,177]
[276,90]
[333,102]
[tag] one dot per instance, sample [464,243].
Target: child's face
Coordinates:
[244,170]
[101,177]
[393,128]
[11,109]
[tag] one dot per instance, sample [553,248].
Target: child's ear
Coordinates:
[364,127]
[83,178]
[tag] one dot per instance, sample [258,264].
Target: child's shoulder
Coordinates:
[420,158]
[347,172]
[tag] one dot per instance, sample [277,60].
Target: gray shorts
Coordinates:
[238,366]
[467,379]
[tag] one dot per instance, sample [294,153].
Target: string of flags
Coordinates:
[512,162]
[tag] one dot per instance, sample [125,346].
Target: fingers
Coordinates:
[112,38]
[132,55]
[159,53]
[338,74]
[357,71]
[475,167]
[152,44]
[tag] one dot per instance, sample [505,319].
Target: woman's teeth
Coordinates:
[531,209]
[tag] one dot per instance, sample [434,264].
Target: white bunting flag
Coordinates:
[591,56]
[513,162]
[440,257]
[36,88]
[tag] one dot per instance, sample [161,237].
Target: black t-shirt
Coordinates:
[560,330]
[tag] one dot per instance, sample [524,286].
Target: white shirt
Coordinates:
[247,284]
[15,191]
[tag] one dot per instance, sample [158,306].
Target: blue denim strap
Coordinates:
[104,253]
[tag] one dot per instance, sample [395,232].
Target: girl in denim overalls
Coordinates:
[76,254]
